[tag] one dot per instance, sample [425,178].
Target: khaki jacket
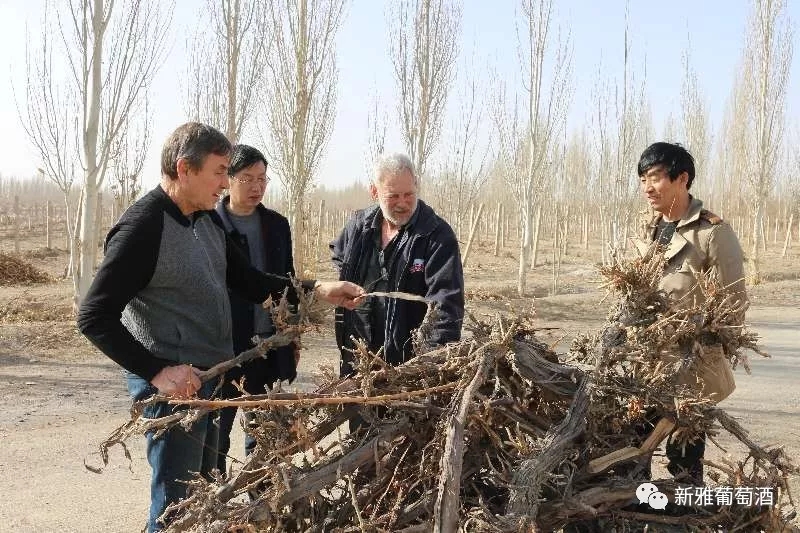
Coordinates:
[702,242]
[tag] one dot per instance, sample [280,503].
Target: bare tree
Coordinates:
[377,124]
[128,162]
[527,143]
[465,166]
[569,162]
[111,52]
[424,48]
[794,170]
[769,54]
[790,189]
[50,122]
[671,129]
[300,99]
[622,125]
[576,187]
[696,126]
[226,72]
[732,150]
[110,56]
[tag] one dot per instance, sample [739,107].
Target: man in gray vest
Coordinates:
[159,305]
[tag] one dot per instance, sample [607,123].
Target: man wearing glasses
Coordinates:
[264,237]
[400,244]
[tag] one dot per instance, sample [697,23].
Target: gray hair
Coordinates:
[393,164]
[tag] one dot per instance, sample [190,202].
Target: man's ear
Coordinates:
[182,166]
[373,190]
[683,178]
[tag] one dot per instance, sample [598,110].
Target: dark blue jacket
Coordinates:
[279,363]
[427,263]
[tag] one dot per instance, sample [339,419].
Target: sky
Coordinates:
[659,33]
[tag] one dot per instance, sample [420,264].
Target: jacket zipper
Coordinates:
[393,301]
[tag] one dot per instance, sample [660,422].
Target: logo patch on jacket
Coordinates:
[417,266]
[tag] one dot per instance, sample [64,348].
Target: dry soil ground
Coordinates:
[59,398]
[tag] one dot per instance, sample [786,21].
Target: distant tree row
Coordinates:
[270,68]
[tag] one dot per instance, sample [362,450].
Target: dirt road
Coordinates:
[55,407]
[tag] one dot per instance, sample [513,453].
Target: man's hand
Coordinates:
[179,381]
[341,293]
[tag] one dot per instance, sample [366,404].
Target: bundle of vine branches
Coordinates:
[493,433]
[638,365]
[436,439]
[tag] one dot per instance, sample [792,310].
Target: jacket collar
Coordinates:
[678,241]
[172,208]
[691,215]
[222,210]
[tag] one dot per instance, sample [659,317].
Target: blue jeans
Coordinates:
[177,455]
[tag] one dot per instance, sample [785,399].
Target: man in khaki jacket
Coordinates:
[697,241]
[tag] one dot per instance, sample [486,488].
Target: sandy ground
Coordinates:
[59,398]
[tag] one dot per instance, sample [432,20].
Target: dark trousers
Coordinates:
[226,418]
[177,455]
[685,462]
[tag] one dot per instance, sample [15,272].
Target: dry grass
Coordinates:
[27,309]
[16,271]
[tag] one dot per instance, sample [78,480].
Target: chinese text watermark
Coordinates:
[707,496]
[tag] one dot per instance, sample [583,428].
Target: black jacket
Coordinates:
[427,263]
[279,363]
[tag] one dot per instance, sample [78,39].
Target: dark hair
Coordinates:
[243,156]
[193,142]
[673,157]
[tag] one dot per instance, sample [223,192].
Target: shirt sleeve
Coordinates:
[131,253]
